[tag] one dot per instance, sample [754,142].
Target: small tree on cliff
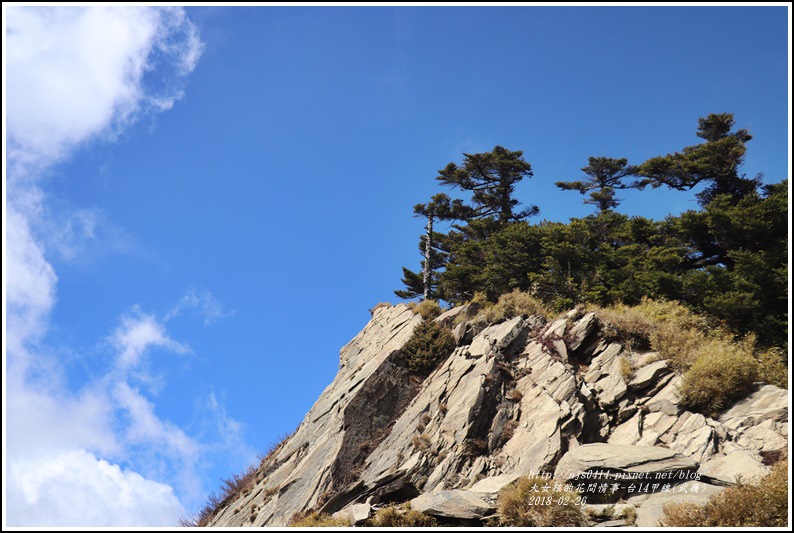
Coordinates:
[440,207]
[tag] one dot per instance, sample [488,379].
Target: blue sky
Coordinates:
[202,204]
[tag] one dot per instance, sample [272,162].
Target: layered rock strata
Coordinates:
[522,397]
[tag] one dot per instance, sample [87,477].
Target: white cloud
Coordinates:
[75,488]
[74,76]
[76,73]
[30,287]
[139,332]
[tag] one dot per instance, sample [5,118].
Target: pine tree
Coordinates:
[715,161]
[604,175]
[491,177]
[440,207]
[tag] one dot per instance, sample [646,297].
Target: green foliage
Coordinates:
[491,177]
[523,504]
[431,245]
[428,346]
[762,504]
[715,161]
[604,175]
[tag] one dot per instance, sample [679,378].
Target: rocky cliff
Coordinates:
[517,398]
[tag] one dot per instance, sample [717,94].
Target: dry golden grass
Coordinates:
[315,519]
[404,516]
[717,369]
[427,309]
[236,486]
[626,368]
[522,504]
[378,306]
[763,504]
[722,373]
[514,304]
[421,442]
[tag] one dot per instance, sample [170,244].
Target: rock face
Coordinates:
[517,398]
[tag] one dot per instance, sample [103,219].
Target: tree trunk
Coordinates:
[428,248]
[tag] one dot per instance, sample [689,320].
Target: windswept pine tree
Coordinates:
[716,161]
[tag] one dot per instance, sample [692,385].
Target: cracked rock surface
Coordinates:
[516,398]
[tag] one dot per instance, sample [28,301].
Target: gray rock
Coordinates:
[738,464]
[581,330]
[357,513]
[767,403]
[648,375]
[492,485]
[463,334]
[460,504]
[648,462]
[608,510]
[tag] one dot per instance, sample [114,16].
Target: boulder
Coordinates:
[460,504]
[626,463]
[728,469]
[649,375]
[492,485]
[357,513]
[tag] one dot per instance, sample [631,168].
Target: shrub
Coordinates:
[763,504]
[421,442]
[427,309]
[514,395]
[722,373]
[717,369]
[522,504]
[315,519]
[511,305]
[626,368]
[667,327]
[394,516]
[772,367]
[428,346]
[231,489]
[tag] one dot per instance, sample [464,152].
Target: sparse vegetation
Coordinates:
[400,516]
[514,395]
[379,306]
[428,346]
[421,442]
[626,368]
[524,504]
[763,504]
[508,431]
[717,369]
[427,309]
[315,519]
[239,485]
[722,373]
